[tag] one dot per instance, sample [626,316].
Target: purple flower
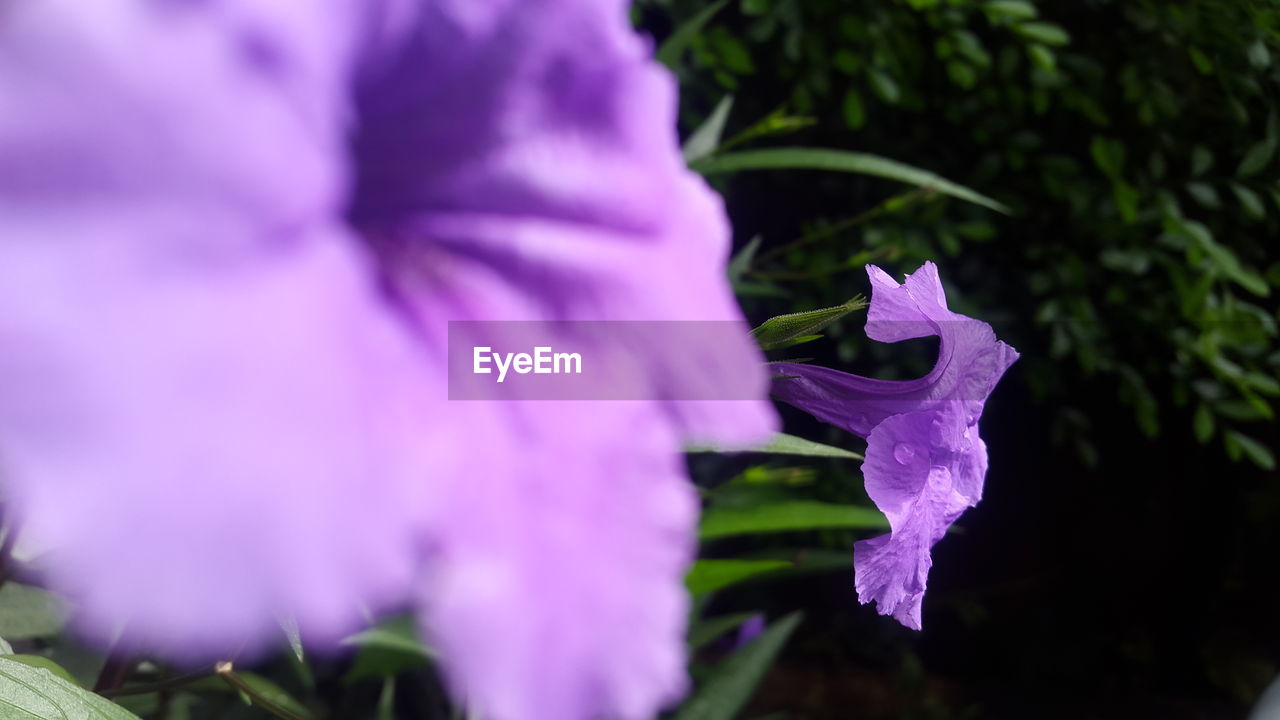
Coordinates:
[232,234]
[925,462]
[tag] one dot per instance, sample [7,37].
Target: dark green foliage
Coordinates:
[1135,141]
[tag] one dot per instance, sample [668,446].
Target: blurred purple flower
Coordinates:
[750,630]
[232,234]
[925,462]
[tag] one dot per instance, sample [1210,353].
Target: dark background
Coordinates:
[1121,562]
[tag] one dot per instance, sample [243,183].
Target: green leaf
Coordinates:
[1042,57]
[29,612]
[855,116]
[727,691]
[1203,423]
[708,576]
[741,262]
[840,161]
[788,516]
[1043,32]
[1201,160]
[1257,157]
[1223,258]
[706,138]
[884,86]
[386,649]
[1204,194]
[776,332]
[782,444]
[1201,61]
[1258,54]
[673,49]
[40,661]
[795,341]
[775,123]
[1258,453]
[1250,201]
[704,631]
[36,693]
[1108,155]
[1011,9]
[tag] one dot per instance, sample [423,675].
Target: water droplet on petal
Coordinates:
[903,453]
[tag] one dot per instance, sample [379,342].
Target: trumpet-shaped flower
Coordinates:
[232,236]
[925,462]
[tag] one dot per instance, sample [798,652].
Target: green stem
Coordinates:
[228,675]
[893,204]
[172,683]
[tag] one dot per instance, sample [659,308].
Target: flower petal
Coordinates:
[518,161]
[553,162]
[925,463]
[205,406]
[556,591]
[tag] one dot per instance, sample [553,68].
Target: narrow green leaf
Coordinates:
[782,444]
[673,49]
[727,691]
[1201,160]
[706,138]
[776,332]
[795,341]
[391,647]
[398,633]
[1250,201]
[1043,32]
[1256,158]
[855,116]
[884,86]
[1011,9]
[789,516]
[387,700]
[708,576]
[1223,258]
[775,123]
[704,631]
[1042,57]
[1203,424]
[1108,154]
[741,261]
[1258,54]
[36,693]
[1202,62]
[1258,453]
[1204,194]
[798,158]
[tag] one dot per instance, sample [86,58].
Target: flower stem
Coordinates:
[225,671]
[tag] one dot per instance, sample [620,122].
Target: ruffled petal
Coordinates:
[925,462]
